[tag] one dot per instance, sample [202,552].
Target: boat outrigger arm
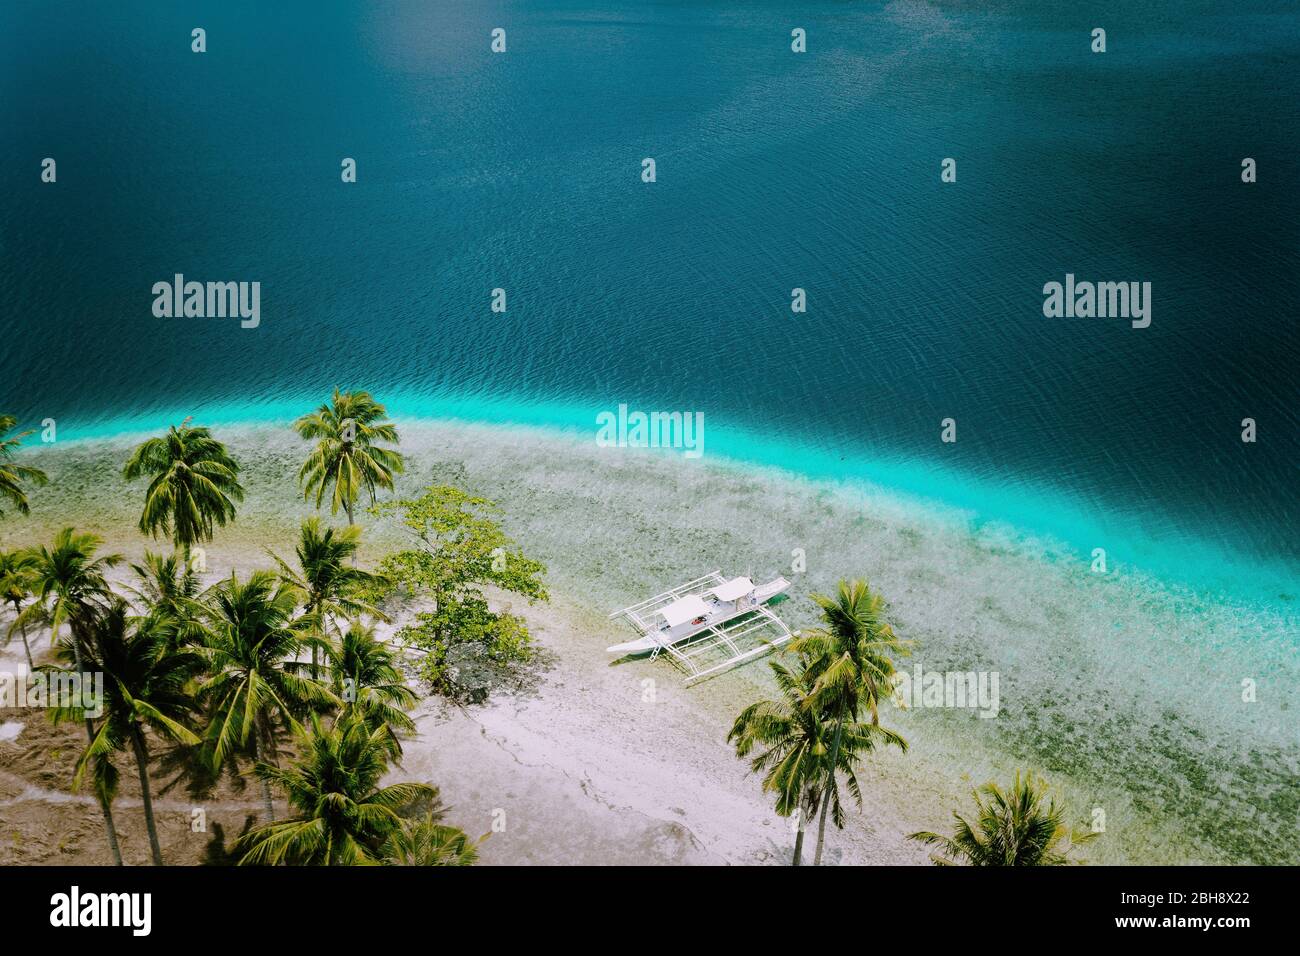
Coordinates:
[712,616]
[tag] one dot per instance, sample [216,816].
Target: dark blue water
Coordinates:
[775,170]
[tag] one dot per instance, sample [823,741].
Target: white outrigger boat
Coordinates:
[696,621]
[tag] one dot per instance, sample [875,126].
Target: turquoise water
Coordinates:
[819,171]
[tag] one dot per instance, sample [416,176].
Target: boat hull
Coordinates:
[642,645]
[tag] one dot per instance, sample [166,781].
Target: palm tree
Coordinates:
[365,676]
[1022,826]
[194,488]
[849,664]
[168,591]
[324,576]
[146,685]
[427,842]
[254,689]
[796,761]
[17,573]
[346,459]
[344,818]
[70,587]
[795,757]
[12,476]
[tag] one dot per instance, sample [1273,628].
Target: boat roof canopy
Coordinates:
[687,609]
[734,589]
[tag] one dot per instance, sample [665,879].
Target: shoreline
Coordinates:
[1086,710]
[1027,512]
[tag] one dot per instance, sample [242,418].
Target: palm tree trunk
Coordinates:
[31,667]
[830,786]
[807,810]
[347,506]
[142,764]
[320,628]
[266,784]
[109,828]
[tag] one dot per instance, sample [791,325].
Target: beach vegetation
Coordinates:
[798,736]
[1022,825]
[168,592]
[459,549]
[17,579]
[71,587]
[850,669]
[216,681]
[365,676]
[13,475]
[348,460]
[147,685]
[193,487]
[343,817]
[255,688]
[427,841]
[329,580]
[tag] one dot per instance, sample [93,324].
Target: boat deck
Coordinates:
[715,645]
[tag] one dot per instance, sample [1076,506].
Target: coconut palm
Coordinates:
[1021,826]
[849,664]
[347,459]
[796,761]
[427,842]
[12,475]
[168,591]
[69,583]
[254,690]
[364,675]
[17,574]
[146,687]
[71,588]
[194,486]
[330,583]
[344,818]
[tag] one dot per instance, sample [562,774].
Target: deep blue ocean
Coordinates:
[775,170]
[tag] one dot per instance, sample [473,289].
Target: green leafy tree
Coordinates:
[1020,826]
[193,488]
[17,578]
[343,818]
[333,587]
[348,459]
[796,754]
[460,548]
[254,689]
[146,687]
[849,664]
[71,588]
[12,475]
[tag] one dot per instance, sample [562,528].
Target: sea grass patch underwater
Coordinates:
[1126,693]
